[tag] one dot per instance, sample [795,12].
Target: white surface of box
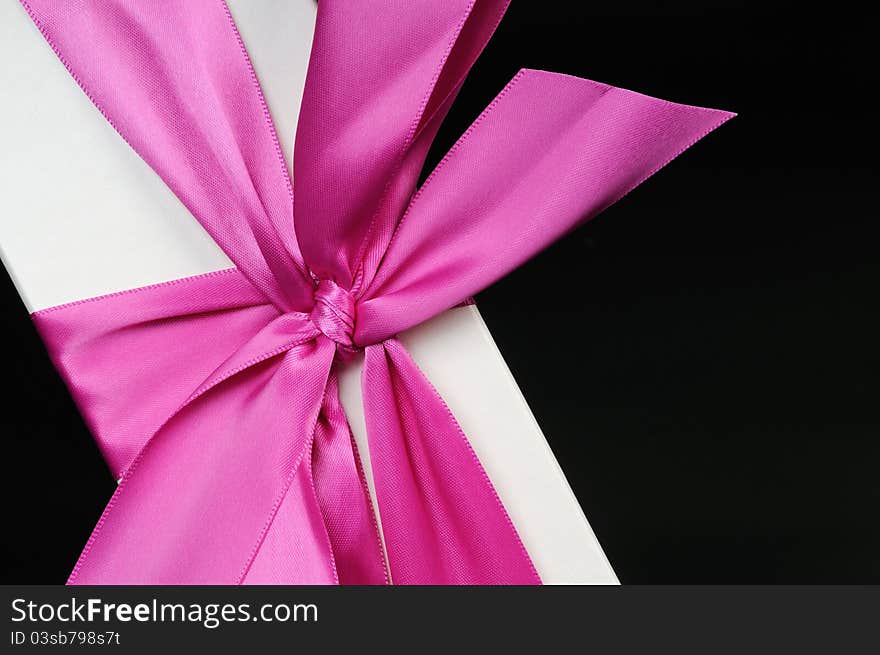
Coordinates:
[83,215]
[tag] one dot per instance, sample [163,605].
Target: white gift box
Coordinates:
[83,215]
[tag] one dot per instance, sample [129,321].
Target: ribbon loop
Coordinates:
[369,112]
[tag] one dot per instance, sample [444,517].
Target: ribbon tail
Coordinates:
[342,494]
[296,547]
[221,487]
[549,153]
[442,520]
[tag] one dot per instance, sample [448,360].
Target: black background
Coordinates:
[713,396]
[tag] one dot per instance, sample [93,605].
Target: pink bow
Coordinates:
[215,397]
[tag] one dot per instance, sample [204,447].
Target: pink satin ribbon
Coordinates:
[215,397]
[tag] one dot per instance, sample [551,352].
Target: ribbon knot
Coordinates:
[333,314]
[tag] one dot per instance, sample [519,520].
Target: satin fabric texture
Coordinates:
[215,398]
